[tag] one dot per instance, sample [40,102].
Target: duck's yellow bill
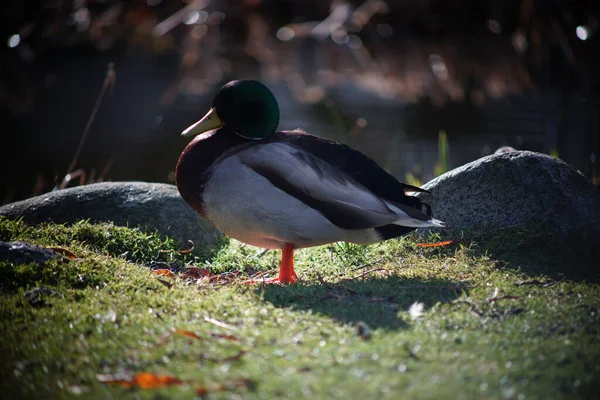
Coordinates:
[209,122]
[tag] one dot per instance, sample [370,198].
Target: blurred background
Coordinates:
[96,90]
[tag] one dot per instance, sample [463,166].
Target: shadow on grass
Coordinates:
[378,301]
[531,250]
[536,252]
[374,301]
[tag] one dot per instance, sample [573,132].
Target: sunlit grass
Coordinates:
[506,314]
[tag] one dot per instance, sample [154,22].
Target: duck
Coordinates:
[287,190]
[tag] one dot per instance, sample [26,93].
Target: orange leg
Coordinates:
[286,271]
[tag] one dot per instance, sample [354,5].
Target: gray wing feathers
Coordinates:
[341,199]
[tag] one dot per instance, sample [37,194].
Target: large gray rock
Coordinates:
[150,206]
[515,188]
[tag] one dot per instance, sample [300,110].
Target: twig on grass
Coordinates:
[220,323]
[537,282]
[367,264]
[361,275]
[262,253]
[472,307]
[506,297]
[184,251]
[322,282]
[263,273]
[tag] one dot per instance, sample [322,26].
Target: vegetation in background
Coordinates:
[441,166]
[409,52]
[501,314]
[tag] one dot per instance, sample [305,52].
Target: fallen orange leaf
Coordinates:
[186,333]
[202,391]
[163,272]
[143,380]
[185,251]
[147,380]
[64,252]
[213,334]
[438,244]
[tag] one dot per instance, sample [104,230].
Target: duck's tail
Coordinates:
[413,218]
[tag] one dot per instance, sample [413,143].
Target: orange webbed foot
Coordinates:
[276,280]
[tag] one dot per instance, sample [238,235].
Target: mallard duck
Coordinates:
[287,190]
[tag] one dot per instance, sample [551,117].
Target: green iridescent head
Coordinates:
[245,107]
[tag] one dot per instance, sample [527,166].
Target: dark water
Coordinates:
[138,125]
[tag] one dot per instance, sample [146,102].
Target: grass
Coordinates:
[505,315]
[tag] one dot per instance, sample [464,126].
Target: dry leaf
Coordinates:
[63,252]
[438,244]
[224,336]
[202,391]
[147,380]
[195,272]
[213,334]
[163,272]
[143,380]
[187,333]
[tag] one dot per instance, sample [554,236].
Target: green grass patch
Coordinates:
[505,314]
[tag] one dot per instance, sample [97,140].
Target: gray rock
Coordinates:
[515,188]
[149,206]
[26,253]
